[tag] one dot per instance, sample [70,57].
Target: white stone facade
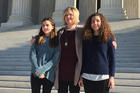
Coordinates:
[26,12]
[20,14]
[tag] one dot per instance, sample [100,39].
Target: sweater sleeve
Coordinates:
[83,55]
[111,58]
[33,57]
[51,63]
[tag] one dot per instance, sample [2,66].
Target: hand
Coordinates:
[36,73]
[32,40]
[114,43]
[111,83]
[80,83]
[42,76]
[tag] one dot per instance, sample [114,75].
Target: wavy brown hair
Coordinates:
[104,32]
[53,39]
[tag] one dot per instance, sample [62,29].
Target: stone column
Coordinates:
[3,10]
[138,8]
[86,8]
[60,6]
[46,8]
[20,14]
[113,9]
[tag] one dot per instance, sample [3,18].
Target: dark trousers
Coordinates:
[36,85]
[96,86]
[65,85]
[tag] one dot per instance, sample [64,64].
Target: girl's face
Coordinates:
[96,23]
[69,17]
[47,27]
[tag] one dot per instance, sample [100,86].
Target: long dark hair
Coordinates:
[104,32]
[53,39]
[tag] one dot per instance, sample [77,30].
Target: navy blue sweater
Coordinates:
[98,57]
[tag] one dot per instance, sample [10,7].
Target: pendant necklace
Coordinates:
[66,43]
[66,40]
[69,34]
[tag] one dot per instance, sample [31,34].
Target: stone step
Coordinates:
[16,56]
[128,76]
[14,53]
[15,78]
[15,68]
[130,58]
[127,70]
[137,65]
[26,84]
[125,89]
[117,89]
[122,60]
[124,82]
[21,90]
[136,51]
[126,48]
[127,56]
[15,63]
[126,41]
[15,73]
[14,90]
[15,84]
[121,79]
[14,59]
[22,49]
[130,44]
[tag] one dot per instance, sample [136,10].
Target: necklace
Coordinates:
[66,43]
[68,35]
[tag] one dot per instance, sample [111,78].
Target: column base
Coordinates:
[16,21]
[114,14]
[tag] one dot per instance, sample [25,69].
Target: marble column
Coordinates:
[60,6]
[138,8]
[46,8]
[20,14]
[113,9]
[86,8]
[3,10]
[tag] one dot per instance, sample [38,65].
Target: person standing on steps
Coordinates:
[44,55]
[69,67]
[98,69]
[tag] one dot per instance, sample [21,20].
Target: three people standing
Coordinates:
[98,54]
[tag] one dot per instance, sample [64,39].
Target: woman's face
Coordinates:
[96,23]
[47,27]
[69,17]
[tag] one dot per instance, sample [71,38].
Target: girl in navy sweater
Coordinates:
[98,68]
[44,55]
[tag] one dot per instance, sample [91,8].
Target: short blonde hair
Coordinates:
[75,13]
